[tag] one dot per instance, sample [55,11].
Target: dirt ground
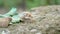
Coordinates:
[47,22]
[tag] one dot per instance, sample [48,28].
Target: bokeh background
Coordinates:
[27,3]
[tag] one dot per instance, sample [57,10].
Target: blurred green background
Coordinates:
[27,3]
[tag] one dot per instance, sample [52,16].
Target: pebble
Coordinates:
[33,30]
[39,33]
[5,32]
[4,22]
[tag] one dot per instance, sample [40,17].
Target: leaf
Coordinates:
[12,12]
[15,19]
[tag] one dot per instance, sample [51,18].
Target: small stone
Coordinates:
[4,22]
[33,30]
[5,32]
[39,33]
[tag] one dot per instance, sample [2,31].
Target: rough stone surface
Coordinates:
[47,22]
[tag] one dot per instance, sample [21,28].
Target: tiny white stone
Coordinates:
[39,33]
[33,30]
[46,26]
[52,19]
[3,32]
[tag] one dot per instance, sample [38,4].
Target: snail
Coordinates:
[27,17]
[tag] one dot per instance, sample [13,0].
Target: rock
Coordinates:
[51,20]
[4,22]
[48,22]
